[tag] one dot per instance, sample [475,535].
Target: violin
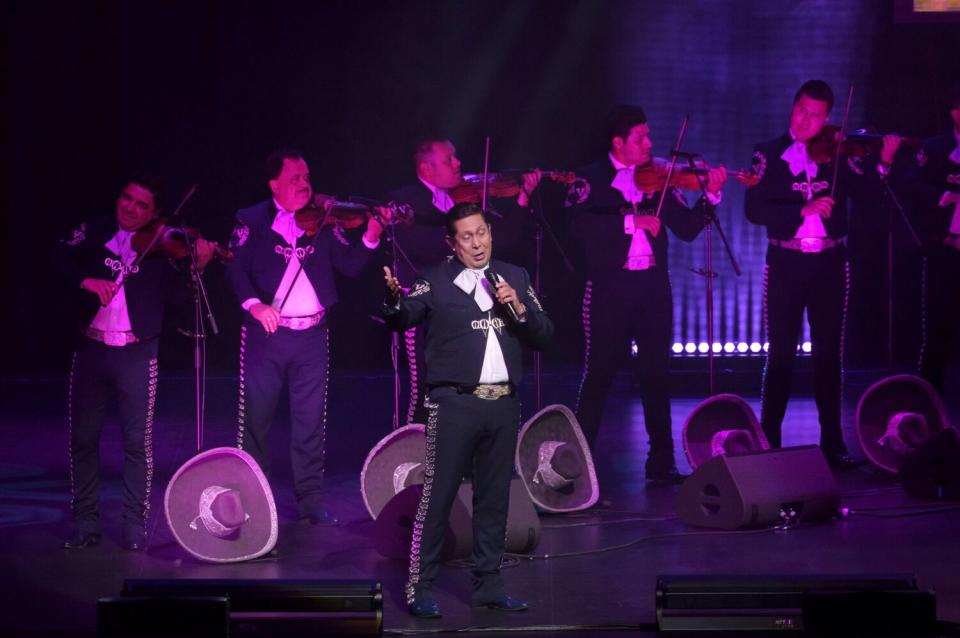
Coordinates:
[823,147]
[650,177]
[324,210]
[157,237]
[502,184]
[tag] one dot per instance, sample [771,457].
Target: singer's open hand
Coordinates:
[507,295]
[393,286]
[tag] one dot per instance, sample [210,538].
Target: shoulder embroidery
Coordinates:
[241,232]
[578,192]
[922,158]
[421,287]
[79,235]
[533,298]
[759,164]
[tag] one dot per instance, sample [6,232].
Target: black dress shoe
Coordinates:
[424,608]
[79,540]
[322,518]
[842,461]
[503,602]
[665,478]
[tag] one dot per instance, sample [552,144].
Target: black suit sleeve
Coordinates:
[238,268]
[685,222]
[349,253]
[64,256]
[411,309]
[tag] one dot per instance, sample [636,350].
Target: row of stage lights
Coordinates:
[738,348]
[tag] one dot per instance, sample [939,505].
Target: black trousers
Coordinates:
[817,283]
[629,305]
[941,312]
[465,432]
[300,359]
[100,373]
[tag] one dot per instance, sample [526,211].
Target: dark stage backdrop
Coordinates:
[202,91]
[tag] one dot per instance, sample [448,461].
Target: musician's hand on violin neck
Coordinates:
[393,286]
[716,178]
[268,317]
[822,206]
[102,288]
[648,223]
[206,250]
[891,143]
[529,184]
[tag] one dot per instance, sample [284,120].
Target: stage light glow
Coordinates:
[678,348]
[729,347]
[691,348]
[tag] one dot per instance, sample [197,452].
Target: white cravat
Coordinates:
[473,282]
[624,182]
[799,162]
[115,317]
[441,198]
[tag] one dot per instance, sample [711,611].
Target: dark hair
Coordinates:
[816,90]
[424,147]
[621,119]
[461,211]
[153,183]
[273,165]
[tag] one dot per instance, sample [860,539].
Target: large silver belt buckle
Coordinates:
[811,245]
[490,392]
[114,338]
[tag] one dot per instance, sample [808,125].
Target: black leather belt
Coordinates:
[487,391]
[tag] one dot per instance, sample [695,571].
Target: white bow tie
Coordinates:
[442,200]
[796,157]
[474,283]
[624,182]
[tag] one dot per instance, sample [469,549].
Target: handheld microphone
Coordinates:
[494,279]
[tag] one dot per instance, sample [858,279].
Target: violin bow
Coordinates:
[486,173]
[842,133]
[673,163]
[124,275]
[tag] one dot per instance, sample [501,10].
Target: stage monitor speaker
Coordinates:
[394,525]
[175,615]
[933,469]
[822,604]
[759,489]
[280,607]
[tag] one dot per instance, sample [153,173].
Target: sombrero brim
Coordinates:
[404,445]
[720,412]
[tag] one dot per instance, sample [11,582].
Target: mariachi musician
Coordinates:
[800,197]
[439,183]
[125,289]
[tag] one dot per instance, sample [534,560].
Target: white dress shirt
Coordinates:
[944,200]
[114,317]
[473,282]
[441,198]
[799,162]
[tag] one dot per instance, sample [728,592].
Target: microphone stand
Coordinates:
[541,225]
[893,207]
[707,271]
[202,308]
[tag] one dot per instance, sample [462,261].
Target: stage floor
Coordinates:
[49,590]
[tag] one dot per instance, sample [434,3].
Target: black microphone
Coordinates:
[494,279]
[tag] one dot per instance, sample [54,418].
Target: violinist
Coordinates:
[935,182]
[806,267]
[627,294]
[116,356]
[438,173]
[283,276]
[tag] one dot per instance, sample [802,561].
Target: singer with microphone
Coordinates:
[477,313]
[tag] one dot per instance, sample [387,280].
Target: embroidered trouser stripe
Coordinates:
[414,351]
